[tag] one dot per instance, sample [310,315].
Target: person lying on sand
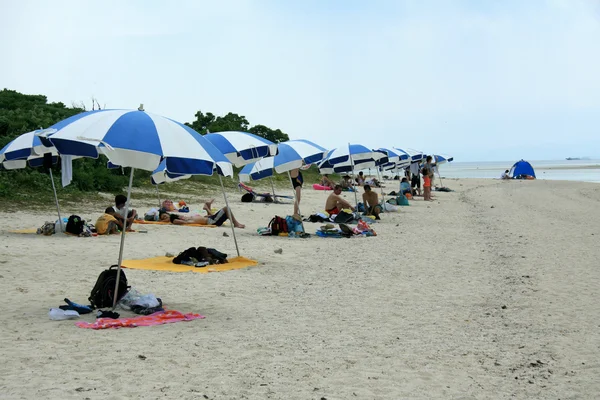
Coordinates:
[335,203]
[371,201]
[118,211]
[217,219]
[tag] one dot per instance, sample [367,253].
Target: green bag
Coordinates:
[402,200]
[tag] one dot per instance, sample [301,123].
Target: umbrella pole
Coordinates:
[123,231]
[296,204]
[158,196]
[237,249]
[62,229]
[381,190]
[273,188]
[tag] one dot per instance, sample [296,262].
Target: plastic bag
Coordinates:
[390,207]
[135,298]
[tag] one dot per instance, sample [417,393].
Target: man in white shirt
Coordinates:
[505,175]
[415,180]
[118,211]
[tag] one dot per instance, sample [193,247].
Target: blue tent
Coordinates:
[521,168]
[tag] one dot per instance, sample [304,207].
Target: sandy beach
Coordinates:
[489,292]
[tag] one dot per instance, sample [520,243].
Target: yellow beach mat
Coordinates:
[166,264]
[168,223]
[25,231]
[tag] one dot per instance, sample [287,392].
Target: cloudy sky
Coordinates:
[481,80]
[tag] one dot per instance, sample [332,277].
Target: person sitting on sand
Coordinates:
[371,202]
[335,203]
[346,182]
[325,181]
[118,211]
[360,179]
[405,186]
[505,175]
[217,219]
[107,224]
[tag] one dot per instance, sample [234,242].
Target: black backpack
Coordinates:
[247,198]
[75,225]
[104,289]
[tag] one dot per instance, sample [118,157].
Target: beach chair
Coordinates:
[265,195]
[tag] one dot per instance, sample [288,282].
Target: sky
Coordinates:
[475,79]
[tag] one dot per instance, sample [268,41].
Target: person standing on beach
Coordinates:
[415,181]
[431,168]
[426,183]
[297,181]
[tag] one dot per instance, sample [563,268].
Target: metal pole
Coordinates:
[438,171]
[237,249]
[352,166]
[381,190]
[62,228]
[158,196]
[273,188]
[123,230]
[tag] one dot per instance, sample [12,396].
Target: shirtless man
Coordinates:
[335,203]
[371,201]
[218,219]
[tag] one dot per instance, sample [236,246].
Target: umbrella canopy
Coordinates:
[442,159]
[133,138]
[291,155]
[295,153]
[161,175]
[415,155]
[257,170]
[242,148]
[354,153]
[25,147]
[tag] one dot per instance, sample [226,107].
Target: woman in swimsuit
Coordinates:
[297,181]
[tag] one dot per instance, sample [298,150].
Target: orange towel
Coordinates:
[166,264]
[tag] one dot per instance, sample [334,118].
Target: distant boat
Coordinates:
[572,158]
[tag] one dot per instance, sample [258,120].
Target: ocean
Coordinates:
[566,170]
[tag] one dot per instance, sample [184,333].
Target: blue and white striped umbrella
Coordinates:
[442,159]
[161,175]
[132,138]
[27,147]
[355,153]
[295,153]
[415,155]
[257,170]
[242,148]
[140,140]
[291,155]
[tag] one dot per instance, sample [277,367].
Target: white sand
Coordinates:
[414,313]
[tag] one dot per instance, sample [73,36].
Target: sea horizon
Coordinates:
[583,170]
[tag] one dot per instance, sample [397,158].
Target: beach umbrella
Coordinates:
[352,156]
[292,154]
[241,148]
[441,159]
[415,155]
[136,139]
[28,149]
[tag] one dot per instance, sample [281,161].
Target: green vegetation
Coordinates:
[20,113]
